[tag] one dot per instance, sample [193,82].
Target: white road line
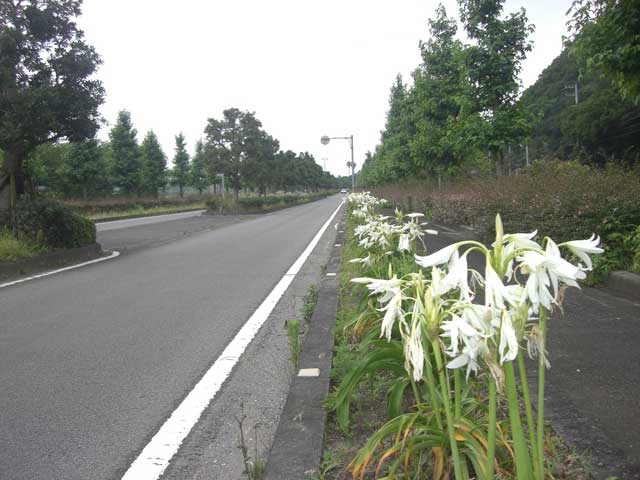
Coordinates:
[155,457]
[53,272]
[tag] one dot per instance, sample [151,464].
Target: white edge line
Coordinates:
[53,272]
[155,457]
[143,217]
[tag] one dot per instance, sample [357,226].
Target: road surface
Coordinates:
[94,360]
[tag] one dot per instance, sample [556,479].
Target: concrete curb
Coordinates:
[624,284]
[49,260]
[296,451]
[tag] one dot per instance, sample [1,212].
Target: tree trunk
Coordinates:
[11,183]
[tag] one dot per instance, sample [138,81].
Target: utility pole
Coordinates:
[572,91]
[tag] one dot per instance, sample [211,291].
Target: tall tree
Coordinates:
[198,175]
[86,171]
[154,165]
[180,174]
[439,102]
[127,162]
[47,89]
[230,143]
[606,42]
[493,64]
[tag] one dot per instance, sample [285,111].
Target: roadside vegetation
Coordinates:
[258,204]
[442,345]
[13,248]
[562,199]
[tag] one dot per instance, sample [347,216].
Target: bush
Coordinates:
[229,205]
[123,204]
[52,225]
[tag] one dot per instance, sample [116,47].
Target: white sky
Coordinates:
[305,68]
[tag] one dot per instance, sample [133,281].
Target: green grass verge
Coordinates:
[139,210]
[12,248]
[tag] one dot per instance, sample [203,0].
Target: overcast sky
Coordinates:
[305,68]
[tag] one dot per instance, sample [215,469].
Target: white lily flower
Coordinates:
[366,261]
[393,310]
[469,356]
[386,288]
[415,215]
[437,258]
[457,276]
[522,240]
[414,352]
[508,347]
[404,244]
[456,329]
[581,248]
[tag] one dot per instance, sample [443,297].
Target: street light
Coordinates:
[352,164]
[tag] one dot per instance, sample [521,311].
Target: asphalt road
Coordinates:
[93,361]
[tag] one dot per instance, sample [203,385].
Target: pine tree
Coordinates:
[181,164]
[199,179]
[154,165]
[127,163]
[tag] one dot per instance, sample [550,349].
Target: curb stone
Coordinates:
[624,284]
[40,263]
[296,451]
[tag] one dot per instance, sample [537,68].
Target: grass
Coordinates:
[293,330]
[140,210]
[12,248]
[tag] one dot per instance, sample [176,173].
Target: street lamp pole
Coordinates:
[352,164]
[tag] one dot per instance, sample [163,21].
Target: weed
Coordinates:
[310,301]
[293,330]
[12,248]
[254,467]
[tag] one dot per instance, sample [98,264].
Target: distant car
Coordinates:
[344,190]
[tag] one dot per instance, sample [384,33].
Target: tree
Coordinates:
[180,174]
[230,143]
[86,171]
[127,162]
[47,89]
[154,165]
[606,42]
[493,64]
[198,175]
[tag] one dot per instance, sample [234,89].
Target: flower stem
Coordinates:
[491,438]
[541,371]
[433,391]
[523,462]
[444,387]
[457,393]
[527,405]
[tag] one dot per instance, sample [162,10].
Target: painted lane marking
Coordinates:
[155,457]
[53,272]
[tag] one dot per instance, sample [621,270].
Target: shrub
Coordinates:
[53,225]
[229,205]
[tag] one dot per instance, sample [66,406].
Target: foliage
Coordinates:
[52,225]
[606,42]
[600,127]
[127,162]
[154,165]
[47,89]
[565,199]
[198,174]
[293,330]
[113,205]
[13,248]
[463,100]
[180,172]
[218,204]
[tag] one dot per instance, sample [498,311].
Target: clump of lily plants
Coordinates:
[455,338]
